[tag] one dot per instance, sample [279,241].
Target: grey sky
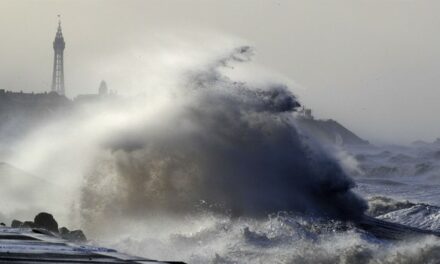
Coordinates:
[370,64]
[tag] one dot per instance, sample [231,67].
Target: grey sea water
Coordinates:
[399,183]
[406,179]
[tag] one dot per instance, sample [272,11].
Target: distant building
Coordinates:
[58,62]
[305,113]
[103,92]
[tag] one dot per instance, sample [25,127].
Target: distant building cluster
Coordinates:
[58,86]
[28,98]
[103,92]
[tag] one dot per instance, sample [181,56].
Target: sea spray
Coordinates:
[223,146]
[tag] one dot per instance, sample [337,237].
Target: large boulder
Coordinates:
[46,221]
[64,231]
[16,224]
[74,236]
[28,224]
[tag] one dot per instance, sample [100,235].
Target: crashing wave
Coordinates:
[225,146]
[419,215]
[380,205]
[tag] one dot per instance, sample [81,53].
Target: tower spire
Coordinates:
[58,63]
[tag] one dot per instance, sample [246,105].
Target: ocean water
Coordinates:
[399,183]
[404,179]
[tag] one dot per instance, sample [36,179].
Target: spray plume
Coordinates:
[223,146]
[204,142]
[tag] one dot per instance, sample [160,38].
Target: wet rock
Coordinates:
[46,221]
[28,224]
[16,224]
[78,235]
[64,230]
[74,236]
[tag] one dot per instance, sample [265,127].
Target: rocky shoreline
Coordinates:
[47,222]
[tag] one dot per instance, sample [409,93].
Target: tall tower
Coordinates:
[58,62]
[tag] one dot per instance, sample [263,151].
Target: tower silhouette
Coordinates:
[58,61]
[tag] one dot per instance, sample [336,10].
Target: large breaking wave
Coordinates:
[221,146]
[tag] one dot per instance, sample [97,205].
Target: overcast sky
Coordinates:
[373,65]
